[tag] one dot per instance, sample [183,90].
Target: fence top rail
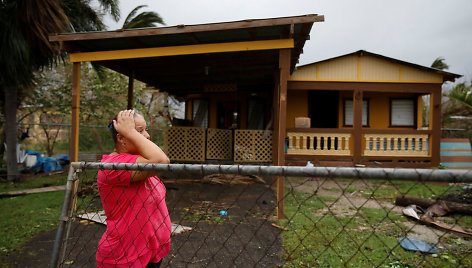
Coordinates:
[440,175]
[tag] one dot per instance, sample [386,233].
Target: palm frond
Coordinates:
[82,17]
[132,14]
[144,19]
[112,7]
[461,93]
[440,64]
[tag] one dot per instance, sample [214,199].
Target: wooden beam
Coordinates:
[188,28]
[130,90]
[74,140]
[357,133]
[181,50]
[193,38]
[435,125]
[280,125]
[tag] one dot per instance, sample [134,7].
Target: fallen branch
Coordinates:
[451,207]
[280,227]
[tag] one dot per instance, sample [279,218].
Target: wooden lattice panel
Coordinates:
[185,144]
[252,146]
[219,144]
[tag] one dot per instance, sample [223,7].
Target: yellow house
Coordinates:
[367,109]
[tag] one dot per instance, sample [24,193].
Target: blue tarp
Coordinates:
[44,164]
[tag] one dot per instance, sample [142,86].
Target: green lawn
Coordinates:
[25,216]
[367,238]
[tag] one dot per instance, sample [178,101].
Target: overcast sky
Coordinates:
[416,31]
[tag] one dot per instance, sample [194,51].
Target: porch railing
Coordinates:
[309,143]
[396,145]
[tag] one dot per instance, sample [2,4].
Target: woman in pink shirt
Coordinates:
[138,224]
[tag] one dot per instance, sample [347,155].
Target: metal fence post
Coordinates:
[63,219]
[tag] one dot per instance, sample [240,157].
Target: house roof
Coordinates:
[186,73]
[447,76]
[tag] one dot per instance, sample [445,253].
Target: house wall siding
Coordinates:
[363,68]
[375,69]
[344,68]
[297,106]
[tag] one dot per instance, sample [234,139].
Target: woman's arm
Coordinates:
[148,151]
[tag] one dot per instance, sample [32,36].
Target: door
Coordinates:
[323,108]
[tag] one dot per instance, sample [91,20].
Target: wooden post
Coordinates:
[357,125]
[74,139]
[435,125]
[280,126]
[130,90]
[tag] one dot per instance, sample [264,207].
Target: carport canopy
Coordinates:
[183,59]
[255,54]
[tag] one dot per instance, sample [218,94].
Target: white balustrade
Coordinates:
[396,145]
[318,143]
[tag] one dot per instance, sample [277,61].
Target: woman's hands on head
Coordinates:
[124,123]
[132,141]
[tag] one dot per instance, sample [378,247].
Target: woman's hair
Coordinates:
[112,129]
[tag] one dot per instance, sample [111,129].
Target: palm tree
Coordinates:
[440,64]
[142,20]
[461,93]
[26,25]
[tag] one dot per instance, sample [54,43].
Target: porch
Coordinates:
[327,147]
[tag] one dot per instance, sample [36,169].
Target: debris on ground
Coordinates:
[232,179]
[415,244]
[100,217]
[435,208]
[33,191]
[279,227]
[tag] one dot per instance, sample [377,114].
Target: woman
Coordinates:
[138,223]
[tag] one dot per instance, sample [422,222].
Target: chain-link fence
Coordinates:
[266,216]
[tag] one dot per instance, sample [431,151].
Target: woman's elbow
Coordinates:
[165,160]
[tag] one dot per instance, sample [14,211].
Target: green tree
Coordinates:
[25,49]
[440,64]
[142,20]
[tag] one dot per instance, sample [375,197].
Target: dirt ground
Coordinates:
[244,237]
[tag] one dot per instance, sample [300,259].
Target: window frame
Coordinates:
[415,113]
[367,112]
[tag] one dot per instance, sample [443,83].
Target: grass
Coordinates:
[23,217]
[367,239]
[422,190]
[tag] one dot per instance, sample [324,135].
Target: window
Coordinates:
[349,112]
[402,112]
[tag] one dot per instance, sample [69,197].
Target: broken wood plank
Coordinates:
[33,191]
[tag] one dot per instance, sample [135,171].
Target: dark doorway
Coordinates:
[228,116]
[323,108]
